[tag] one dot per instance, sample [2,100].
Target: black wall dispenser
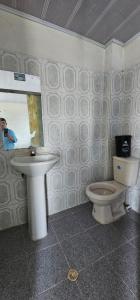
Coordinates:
[123,145]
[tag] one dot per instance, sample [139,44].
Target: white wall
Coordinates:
[132,52]
[71,72]
[31,38]
[114,56]
[123,100]
[70,134]
[119,56]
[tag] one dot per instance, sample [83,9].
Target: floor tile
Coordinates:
[16,241]
[33,274]
[60,215]
[84,215]
[125,262]
[81,250]
[134,216]
[135,242]
[14,280]
[31,246]
[127,227]
[29,268]
[51,268]
[107,237]
[98,282]
[67,227]
[77,208]
[11,244]
[64,291]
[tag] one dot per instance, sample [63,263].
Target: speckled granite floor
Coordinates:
[107,258]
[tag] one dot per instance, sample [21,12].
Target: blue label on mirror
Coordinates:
[19,76]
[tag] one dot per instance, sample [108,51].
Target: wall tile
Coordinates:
[20,190]
[57,201]
[84,175]
[84,107]
[53,105]
[84,155]
[84,131]
[54,133]
[127,106]
[3,166]
[137,131]
[5,196]
[128,81]
[52,76]
[116,107]
[83,110]
[98,83]
[83,82]
[69,77]
[138,76]
[56,181]
[72,198]
[116,86]
[71,156]
[32,66]
[115,129]
[70,178]
[70,132]
[97,108]
[10,62]
[5,219]
[70,106]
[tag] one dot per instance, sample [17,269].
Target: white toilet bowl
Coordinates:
[107,201]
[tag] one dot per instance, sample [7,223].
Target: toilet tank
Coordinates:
[125,170]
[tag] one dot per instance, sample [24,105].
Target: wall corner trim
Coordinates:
[115,41]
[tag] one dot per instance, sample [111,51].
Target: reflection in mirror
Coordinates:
[20,120]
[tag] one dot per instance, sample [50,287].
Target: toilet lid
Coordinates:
[102,191]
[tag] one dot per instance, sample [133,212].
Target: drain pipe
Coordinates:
[126,206]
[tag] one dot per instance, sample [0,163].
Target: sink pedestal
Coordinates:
[36,168]
[37,216]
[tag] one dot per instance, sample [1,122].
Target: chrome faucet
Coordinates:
[32,151]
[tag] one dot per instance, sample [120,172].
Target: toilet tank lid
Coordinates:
[126,159]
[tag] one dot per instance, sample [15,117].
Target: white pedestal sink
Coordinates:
[35,168]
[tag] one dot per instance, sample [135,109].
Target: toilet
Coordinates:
[108,203]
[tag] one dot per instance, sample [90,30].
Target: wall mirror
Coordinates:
[20,111]
[24,117]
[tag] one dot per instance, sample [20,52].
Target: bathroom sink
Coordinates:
[34,165]
[35,168]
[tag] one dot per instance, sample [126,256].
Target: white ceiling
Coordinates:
[99,20]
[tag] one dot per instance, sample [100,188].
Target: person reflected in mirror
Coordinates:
[7,135]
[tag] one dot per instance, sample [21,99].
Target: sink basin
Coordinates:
[35,168]
[34,165]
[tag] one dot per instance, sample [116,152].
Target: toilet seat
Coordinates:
[104,192]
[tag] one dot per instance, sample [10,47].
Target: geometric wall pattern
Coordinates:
[82,112]
[124,118]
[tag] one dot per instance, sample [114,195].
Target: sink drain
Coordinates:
[72,275]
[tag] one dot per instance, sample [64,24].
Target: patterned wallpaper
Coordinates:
[82,112]
[74,118]
[125,118]
[13,209]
